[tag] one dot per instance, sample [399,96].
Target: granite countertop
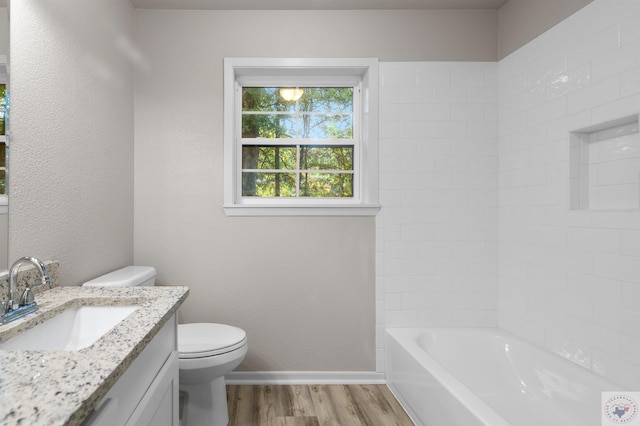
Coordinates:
[63,387]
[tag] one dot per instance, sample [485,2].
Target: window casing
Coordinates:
[4,198]
[306,146]
[314,155]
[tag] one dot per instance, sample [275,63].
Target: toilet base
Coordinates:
[204,404]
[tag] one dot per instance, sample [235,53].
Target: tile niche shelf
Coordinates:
[605,166]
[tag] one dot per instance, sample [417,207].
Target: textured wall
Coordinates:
[4,31]
[72,194]
[302,288]
[569,279]
[71,158]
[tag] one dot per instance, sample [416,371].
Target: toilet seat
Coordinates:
[200,340]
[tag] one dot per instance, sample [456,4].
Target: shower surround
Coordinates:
[476,227]
[437,245]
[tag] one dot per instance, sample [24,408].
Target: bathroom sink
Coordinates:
[73,329]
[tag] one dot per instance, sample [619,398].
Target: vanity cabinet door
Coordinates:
[159,406]
[148,388]
[105,414]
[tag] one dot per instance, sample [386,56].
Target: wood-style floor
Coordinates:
[314,405]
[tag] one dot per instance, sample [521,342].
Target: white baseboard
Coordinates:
[304,377]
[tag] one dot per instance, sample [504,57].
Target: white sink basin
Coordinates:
[73,329]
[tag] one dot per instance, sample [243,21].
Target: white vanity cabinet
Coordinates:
[147,393]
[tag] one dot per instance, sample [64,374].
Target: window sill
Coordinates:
[299,210]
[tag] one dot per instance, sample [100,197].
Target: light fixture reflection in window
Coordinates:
[291,94]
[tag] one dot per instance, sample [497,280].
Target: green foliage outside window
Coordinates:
[3,107]
[308,167]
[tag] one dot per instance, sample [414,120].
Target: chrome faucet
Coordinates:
[14,309]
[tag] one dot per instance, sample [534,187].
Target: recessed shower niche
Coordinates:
[605,166]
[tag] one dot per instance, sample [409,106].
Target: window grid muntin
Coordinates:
[355,142]
[298,111]
[298,171]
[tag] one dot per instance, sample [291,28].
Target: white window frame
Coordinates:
[361,73]
[4,198]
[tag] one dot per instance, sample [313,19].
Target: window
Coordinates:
[298,142]
[3,143]
[4,199]
[300,137]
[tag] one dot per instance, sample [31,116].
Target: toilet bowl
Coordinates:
[206,352]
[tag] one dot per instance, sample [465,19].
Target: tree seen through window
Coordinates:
[300,146]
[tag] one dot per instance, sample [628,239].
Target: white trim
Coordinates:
[304,377]
[366,189]
[299,210]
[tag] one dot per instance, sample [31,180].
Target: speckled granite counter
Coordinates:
[63,387]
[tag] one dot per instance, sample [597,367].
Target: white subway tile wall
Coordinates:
[438,228]
[613,162]
[476,229]
[569,280]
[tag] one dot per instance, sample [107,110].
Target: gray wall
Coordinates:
[72,163]
[303,288]
[71,160]
[4,31]
[520,21]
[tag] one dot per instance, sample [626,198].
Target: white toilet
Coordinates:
[206,353]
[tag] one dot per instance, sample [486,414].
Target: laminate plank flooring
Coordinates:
[314,405]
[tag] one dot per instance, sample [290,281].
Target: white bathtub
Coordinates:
[468,377]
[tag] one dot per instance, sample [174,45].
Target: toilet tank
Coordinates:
[125,277]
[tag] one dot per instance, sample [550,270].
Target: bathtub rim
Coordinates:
[410,336]
[452,384]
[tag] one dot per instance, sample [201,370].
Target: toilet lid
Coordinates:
[128,276]
[208,339]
